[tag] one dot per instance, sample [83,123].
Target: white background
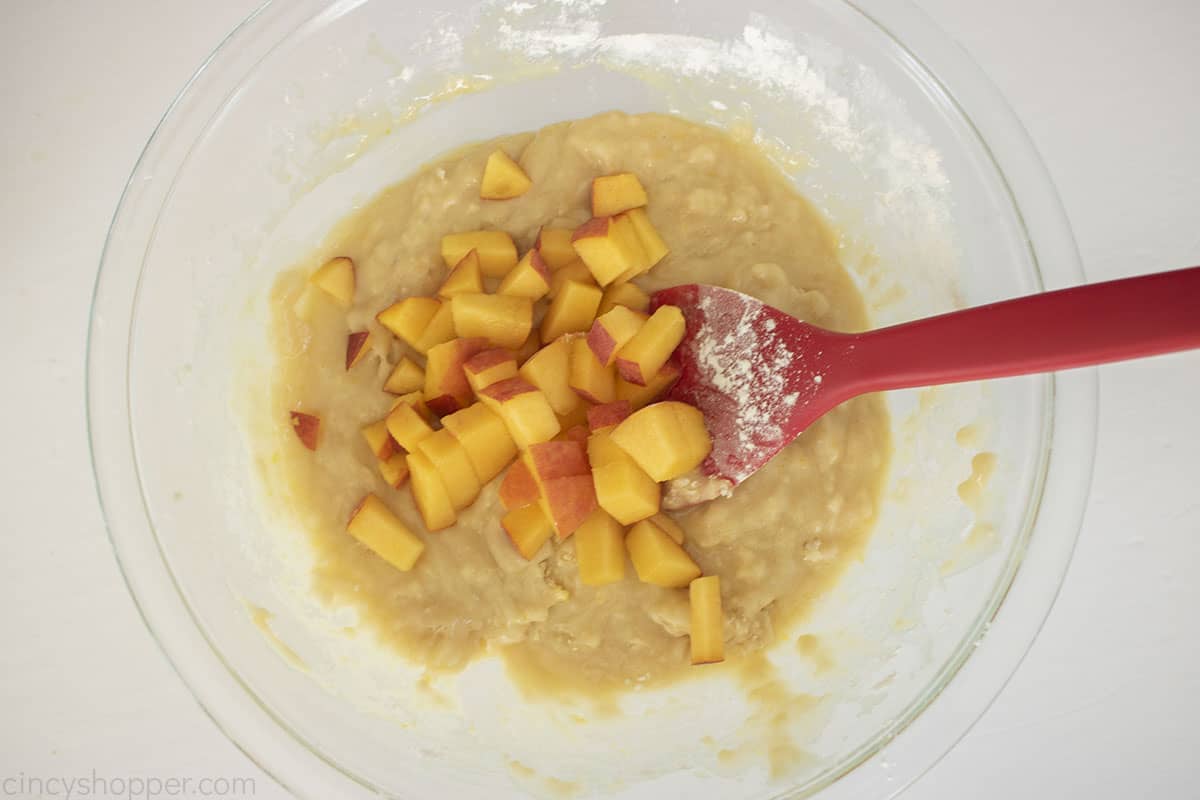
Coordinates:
[1105,706]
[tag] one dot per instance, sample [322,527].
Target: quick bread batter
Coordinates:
[731,219]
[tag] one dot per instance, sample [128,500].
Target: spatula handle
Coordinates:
[1077,327]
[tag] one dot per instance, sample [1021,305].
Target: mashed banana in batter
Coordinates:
[730,218]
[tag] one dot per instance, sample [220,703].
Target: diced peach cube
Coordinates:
[504,321]
[528,528]
[409,317]
[549,460]
[453,466]
[590,379]
[549,370]
[576,271]
[612,194]
[608,415]
[568,502]
[644,355]
[525,411]
[503,178]
[496,249]
[357,345]
[610,247]
[601,450]
[554,244]
[406,426]
[657,559]
[529,278]
[336,278]
[374,524]
[439,330]
[708,638]
[600,550]
[652,244]
[407,376]
[446,386]
[610,332]
[624,294]
[485,438]
[307,428]
[395,470]
[656,387]
[379,439]
[571,311]
[518,487]
[429,493]
[666,439]
[488,366]
[416,400]
[465,278]
[626,492]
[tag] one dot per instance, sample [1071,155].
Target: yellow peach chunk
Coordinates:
[429,493]
[503,321]
[465,278]
[549,370]
[453,466]
[571,311]
[612,194]
[446,386]
[576,271]
[610,247]
[409,317]
[379,440]
[653,245]
[600,550]
[497,250]
[529,278]
[624,294]
[488,366]
[503,178]
[554,245]
[395,470]
[644,355]
[336,278]
[591,380]
[485,437]
[667,439]
[626,492]
[657,559]
[708,639]
[528,528]
[525,410]
[656,387]
[610,332]
[439,330]
[407,427]
[374,524]
[407,376]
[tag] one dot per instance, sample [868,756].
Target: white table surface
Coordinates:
[1105,706]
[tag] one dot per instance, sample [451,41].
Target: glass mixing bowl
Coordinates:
[310,107]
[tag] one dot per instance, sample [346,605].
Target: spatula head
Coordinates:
[757,374]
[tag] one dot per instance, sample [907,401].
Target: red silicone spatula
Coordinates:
[761,376]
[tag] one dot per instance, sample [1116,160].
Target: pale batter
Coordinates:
[731,219]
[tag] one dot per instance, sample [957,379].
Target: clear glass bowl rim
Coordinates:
[978,672]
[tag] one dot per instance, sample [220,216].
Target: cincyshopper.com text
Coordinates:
[123,787]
